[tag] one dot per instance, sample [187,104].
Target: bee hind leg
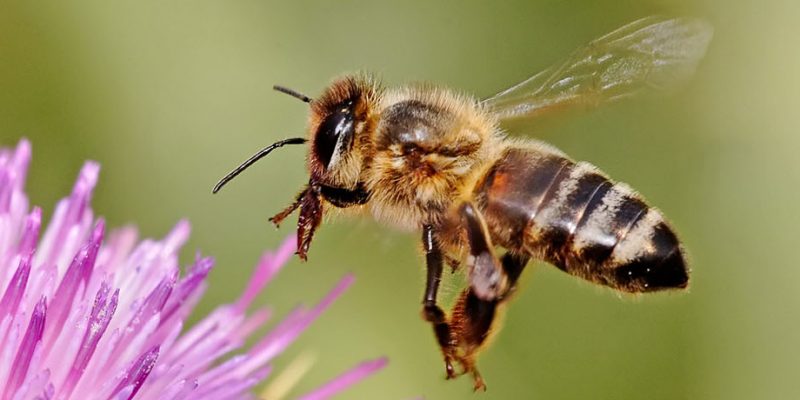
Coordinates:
[472,318]
[491,282]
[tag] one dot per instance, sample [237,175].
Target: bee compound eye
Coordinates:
[334,134]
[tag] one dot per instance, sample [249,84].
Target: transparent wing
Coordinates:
[651,53]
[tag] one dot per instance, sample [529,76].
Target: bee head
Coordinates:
[339,126]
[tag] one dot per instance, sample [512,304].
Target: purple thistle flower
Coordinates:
[85,315]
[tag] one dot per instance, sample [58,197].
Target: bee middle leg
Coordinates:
[431,311]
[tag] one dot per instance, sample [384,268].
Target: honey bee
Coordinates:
[429,159]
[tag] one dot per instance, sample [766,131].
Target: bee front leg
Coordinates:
[310,205]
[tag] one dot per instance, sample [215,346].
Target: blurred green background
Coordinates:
[169,96]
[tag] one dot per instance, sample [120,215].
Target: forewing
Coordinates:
[651,53]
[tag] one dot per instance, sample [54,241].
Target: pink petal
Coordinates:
[187,286]
[138,373]
[31,233]
[345,380]
[79,271]
[13,169]
[13,294]
[267,267]
[101,315]
[30,341]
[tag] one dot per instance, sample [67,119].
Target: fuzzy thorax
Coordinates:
[431,145]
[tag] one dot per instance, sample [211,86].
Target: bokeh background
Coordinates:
[169,96]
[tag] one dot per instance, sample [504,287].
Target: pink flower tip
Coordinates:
[87,179]
[22,155]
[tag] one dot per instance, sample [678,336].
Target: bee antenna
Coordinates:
[250,161]
[293,93]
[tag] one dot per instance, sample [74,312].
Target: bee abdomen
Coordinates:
[572,216]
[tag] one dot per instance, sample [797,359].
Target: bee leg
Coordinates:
[279,217]
[471,321]
[308,221]
[513,264]
[472,318]
[487,278]
[310,205]
[431,312]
